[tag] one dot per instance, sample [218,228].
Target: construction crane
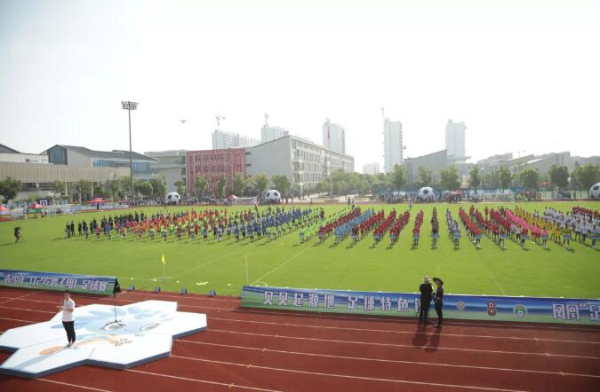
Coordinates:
[219,118]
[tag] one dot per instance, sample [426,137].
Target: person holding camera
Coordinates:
[438,300]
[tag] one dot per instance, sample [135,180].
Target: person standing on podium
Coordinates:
[68,318]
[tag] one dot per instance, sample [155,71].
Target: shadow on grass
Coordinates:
[10,243]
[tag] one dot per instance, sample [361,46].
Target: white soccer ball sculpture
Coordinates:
[426,193]
[595,192]
[272,196]
[172,198]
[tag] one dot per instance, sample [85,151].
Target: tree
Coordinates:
[33,198]
[9,188]
[505,177]
[180,185]
[588,175]
[239,183]
[321,187]
[200,184]
[143,187]
[340,187]
[399,177]
[559,176]
[474,177]
[530,179]
[159,187]
[113,189]
[98,190]
[282,183]
[83,188]
[424,177]
[449,178]
[575,184]
[260,181]
[491,179]
[59,188]
[220,189]
[376,182]
[125,188]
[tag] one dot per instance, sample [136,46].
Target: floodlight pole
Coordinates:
[129,106]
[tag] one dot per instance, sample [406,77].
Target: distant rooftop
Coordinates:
[114,154]
[7,150]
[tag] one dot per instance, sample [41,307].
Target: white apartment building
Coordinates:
[334,137]
[222,139]
[393,148]
[305,163]
[371,168]
[269,132]
[455,141]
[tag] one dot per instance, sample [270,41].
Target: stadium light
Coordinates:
[129,106]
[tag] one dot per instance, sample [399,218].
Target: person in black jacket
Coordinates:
[426,291]
[438,299]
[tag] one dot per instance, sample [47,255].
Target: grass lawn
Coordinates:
[285,262]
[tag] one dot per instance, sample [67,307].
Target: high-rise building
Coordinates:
[371,168]
[222,139]
[245,141]
[455,141]
[334,137]
[269,132]
[392,145]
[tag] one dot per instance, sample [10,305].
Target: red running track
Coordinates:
[257,350]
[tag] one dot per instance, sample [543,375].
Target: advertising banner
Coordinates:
[89,284]
[462,307]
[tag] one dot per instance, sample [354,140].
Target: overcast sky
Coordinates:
[522,75]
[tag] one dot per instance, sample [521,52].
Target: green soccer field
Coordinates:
[285,262]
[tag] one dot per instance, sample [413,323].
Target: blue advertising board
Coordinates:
[89,284]
[464,307]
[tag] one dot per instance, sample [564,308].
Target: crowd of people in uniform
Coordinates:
[580,225]
[207,224]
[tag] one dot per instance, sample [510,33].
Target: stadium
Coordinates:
[305,252]
[299,196]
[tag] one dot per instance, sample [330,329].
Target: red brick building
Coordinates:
[212,164]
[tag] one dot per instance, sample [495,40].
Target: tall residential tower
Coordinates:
[455,141]
[392,145]
[334,137]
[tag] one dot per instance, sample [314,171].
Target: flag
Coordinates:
[163,260]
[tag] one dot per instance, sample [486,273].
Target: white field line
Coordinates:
[17,298]
[586,342]
[280,265]
[370,379]
[268,350]
[200,381]
[407,345]
[72,385]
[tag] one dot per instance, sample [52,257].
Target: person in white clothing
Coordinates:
[68,317]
